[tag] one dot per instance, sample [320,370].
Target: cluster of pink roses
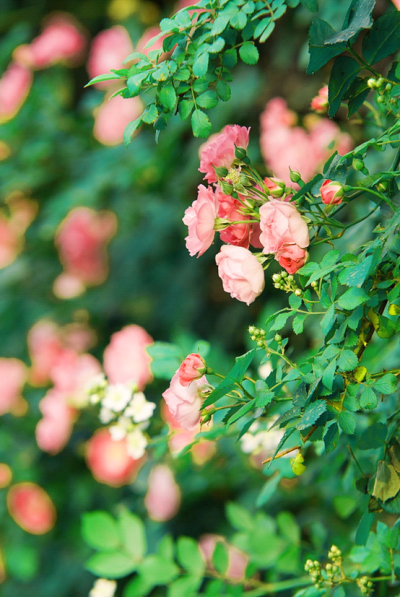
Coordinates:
[243,218]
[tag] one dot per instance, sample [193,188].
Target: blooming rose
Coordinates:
[229,209]
[241,273]
[200,219]
[184,402]
[291,257]
[31,508]
[108,51]
[163,496]
[331,192]
[193,367]
[219,150]
[126,359]
[14,88]
[281,224]
[320,102]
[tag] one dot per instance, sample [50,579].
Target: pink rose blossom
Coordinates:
[13,374]
[193,367]
[229,209]
[396,3]
[331,192]
[10,243]
[112,116]
[108,51]
[60,41]
[12,227]
[163,496]
[14,88]
[45,347]
[319,103]
[71,373]
[54,429]
[291,257]
[126,359]
[241,273]
[184,402]
[31,507]
[200,219]
[280,224]
[219,150]
[238,560]
[180,438]
[109,461]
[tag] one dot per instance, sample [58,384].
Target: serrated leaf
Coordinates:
[329,374]
[201,125]
[357,94]
[320,54]
[328,319]
[383,39]
[236,374]
[347,422]
[331,437]
[217,46]
[189,556]
[295,301]
[200,65]
[167,96]
[344,71]
[132,533]
[311,414]
[134,83]
[208,99]
[386,384]
[298,323]
[102,78]
[357,18]
[110,564]
[131,129]
[352,298]
[185,108]
[239,21]
[368,399]
[241,412]
[100,530]
[348,360]
[249,53]
[150,114]
[387,482]
[280,320]
[223,90]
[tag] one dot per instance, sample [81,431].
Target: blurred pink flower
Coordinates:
[45,347]
[108,51]
[10,243]
[219,150]
[200,219]
[396,3]
[5,475]
[238,560]
[71,373]
[60,41]
[14,89]
[185,402]
[285,146]
[31,508]
[13,226]
[241,273]
[126,359]
[54,429]
[163,496]
[81,242]
[319,103]
[13,374]
[109,461]
[112,116]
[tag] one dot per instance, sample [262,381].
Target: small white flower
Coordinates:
[95,398]
[106,415]
[103,588]
[250,443]
[119,430]
[136,444]
[117,397]
[96,383]
[139,408]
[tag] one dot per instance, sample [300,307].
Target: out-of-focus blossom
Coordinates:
[31,507]
[54,429]
[180,438]
[103,588]
[219,150]
[10,243]
[331,192]
[285,146]
[396,3]
[109,461]
[81,241]
[136,443]
[241,273]
[60,41]
[117,397]
[108,51]
[200,219]
[237,559]
[139,409]
[185,402]
[13,375]
[261,443]
[5,475]
[14,89]
[163,496]
[126,359]
[72,372]
[112,116]
[21,212]
[319,103]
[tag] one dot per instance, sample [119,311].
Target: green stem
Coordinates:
[275,587]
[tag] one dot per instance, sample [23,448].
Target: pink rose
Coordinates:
[71,373]
[275,186]
[184,402]
[45,347]
[291,257]
[280,224]
[108,51]
[31,507]
[238,560]
[229,209]
[54,429]
[13,374]
[200,219]
[320,102]
[331,192]
[219,150]
[126,359]
[112,116]
[163,496]
[14,88]
[193,367]
[241,273]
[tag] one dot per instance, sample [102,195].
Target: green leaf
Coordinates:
[329,374]
[298,323]
[223,90]
[185,586]
[364,528]
[200,124]
[373,438]
[268,490]
[347,422]
[166,359]
[352,298]
[217,46]
[281,319]
[230,58]
[130,130]
[357,18]
[295,301]
[185,108]
[150,114]
[239,517]
[220,558]
[241,412]
[386,384]
[200,65]
[208,99]
[311,5]
[132,534]
[331,437]
[236,374]
[134,83]
[320,54]
[387,482]
[114,564]
[344,71]
[383,39]
[368,399]
[157,570]
[311,414]
[189,556]
[267,31]
[328,319]
[167,96]
[261,26]
[101,78]
[249,53]
[356,275]
[100,530]
[356,95]
[348,360]
[137,587]
[239,21]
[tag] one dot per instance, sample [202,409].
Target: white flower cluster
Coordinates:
[127,410]
[261,441]
[103,588]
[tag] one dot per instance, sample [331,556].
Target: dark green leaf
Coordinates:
[329,374]
[352,298]
[200,124]
[331,437]
[357,18]
[383,39]
[236,374]
[280,320]
[130,130]
[185,108]
[364,528]
[320,54]
[268,490]
[208,99]
[344,71]
[167,96]
[241,412]
[223,90]
[373,438]
[200,65]
[249,53]
[298,323]
[311,414]
[328,319]
[348,360]
[368,399]
[347,422]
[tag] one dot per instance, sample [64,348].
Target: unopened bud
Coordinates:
[278,338]
[284,274]
[277,193]
[388,87]
[371,83]
[240,153]
[314,284]
[298,292]
[276,278]
[358,164]
[380,82]
[290,278]
[295,176]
